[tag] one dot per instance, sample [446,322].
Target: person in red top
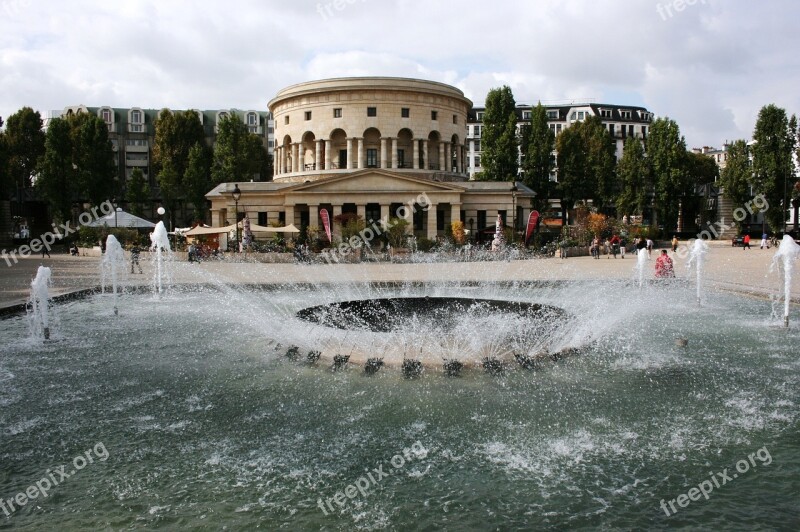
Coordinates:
[746,242]
[615,245]
[664,267]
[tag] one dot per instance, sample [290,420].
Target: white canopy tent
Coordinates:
[122,219]
[255,228]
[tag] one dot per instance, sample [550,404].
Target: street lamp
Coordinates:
[513,210]
[236,195]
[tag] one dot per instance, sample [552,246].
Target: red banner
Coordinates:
[326,223]
[533,219]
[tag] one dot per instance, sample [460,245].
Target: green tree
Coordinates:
[24,145]
[137,193]
[56,180]
[666,151]
[235,152]
[772,161]
[94,158]
[170,185]
[538,142]
[701,169]
[197,180]
[737,175]
[585,163]
[500,159]
[175,136]
[634,176]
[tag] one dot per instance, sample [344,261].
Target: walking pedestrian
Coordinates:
[764,241]
[649,248]
[746,242]
[674,243]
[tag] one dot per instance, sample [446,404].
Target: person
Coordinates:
[623,243]
[607,248]
[664,266]
[191,253]
[764,241]
[615,241]
[649,248]
[73,250]
[45,250]
[135,258]
[594,249]
[746,242]
[674,243]
[640,244]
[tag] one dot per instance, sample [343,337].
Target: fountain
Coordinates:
[697,256]
[160,244]
[113,260]
[788,252]
[641,265]
[39,304]
[570,403]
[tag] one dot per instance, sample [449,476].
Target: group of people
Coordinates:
[618,245]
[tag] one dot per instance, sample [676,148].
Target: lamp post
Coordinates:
[236,195]
[114,203]
[513,210]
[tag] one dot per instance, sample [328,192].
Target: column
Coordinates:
[448,157]
[289,214]
[313,215]
[416,154]
[336,229]
[275,158]
[394,152]
[383,152]
[432,221]
[350,153]
[409,217]
[301,157]
[318,156]
[385,212]
[361,160]
[441,157]
[459,158]
[284,159]
[455,212]
[424,154]
[328,158]
[361,210]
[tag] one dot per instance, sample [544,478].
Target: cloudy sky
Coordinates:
[708,64]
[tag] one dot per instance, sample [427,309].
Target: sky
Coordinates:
[708,64]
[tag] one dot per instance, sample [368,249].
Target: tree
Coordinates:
[635,179]
[235,152]
[56,180]
[94,158]
[24,144]
[175,136]
[585,163]
[197,180]
[137,192]
[701,169]
[772,162]
[169,182]
[538,142]
[666,151]
[499,138]
[735,178]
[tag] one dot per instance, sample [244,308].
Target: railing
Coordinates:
[312,166]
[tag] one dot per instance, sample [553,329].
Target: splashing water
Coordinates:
[160,244]
[641,265]
[39,304]
[784,258]
[112,260]
[697,256]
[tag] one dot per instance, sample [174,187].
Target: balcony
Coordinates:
[136,128]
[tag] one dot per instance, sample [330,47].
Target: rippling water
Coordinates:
[206,425]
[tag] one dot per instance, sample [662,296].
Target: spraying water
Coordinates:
[697,256]
[39,303]
[641,265]
[787,253]
[112,261]
[160,244]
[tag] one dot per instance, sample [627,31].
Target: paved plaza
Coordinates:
[727,268]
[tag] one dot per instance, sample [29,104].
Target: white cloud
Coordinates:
[710,66]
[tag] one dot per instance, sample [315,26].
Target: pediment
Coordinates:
[376,181]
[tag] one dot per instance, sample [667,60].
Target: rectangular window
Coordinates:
[477,161]
[337,113]
[262,219]
[286,119]
[405,112]
[480,116]
[581,115]
[611,129]
[372,158]
[644,132]
[455,119]
[552,115]
[107,116]
[476,131]
[439,220]
[481,220]
[434,115]
[630,130]
[372,111]
[553,127]
[558,129]
[308,115]
[477,145]
[401,158]
[526,115]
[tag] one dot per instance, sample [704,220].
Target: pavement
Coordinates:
[726,268]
